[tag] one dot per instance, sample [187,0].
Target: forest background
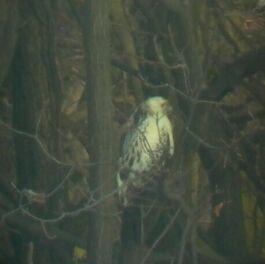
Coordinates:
[71,75]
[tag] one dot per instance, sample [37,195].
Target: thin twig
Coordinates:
[164,232]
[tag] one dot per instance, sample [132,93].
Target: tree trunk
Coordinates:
[9,17]
[102,146]
[36,102]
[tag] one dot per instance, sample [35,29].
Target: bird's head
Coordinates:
[156,106]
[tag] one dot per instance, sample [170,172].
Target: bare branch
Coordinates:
[163,233]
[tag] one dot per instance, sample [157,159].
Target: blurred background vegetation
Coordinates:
[72,73]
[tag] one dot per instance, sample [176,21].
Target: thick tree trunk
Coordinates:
[102,145]
[9,19]
[36,102]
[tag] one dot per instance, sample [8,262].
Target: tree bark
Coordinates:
[102,145]
[36,103]
[9,18]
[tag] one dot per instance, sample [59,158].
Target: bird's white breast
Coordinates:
[155,134]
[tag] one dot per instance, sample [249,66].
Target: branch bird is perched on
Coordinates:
[145,149]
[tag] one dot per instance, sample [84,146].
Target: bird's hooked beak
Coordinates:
[167,108]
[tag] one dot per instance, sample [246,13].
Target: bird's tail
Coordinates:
[130,231]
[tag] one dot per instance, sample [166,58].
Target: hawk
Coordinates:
[145,149]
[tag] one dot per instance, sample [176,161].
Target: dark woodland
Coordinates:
[73,72]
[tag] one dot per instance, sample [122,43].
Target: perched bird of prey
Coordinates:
[145,149]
